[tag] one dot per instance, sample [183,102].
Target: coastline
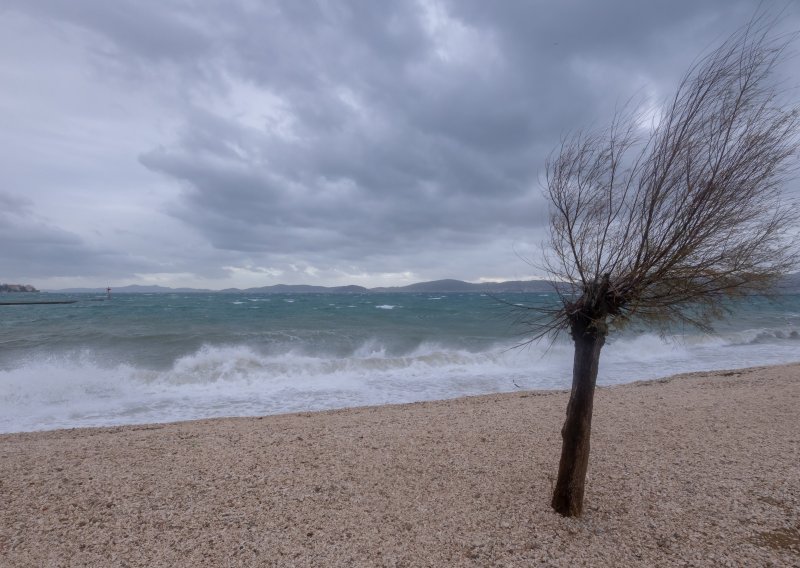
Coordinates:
[699,468]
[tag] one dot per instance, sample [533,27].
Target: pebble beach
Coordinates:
[700,469]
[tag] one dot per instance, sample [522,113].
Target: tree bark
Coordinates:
[568,494]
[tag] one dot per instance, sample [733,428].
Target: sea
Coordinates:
[143,358]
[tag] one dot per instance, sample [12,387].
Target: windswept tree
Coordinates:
[666,224]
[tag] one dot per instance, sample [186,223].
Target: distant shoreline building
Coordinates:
[11,288]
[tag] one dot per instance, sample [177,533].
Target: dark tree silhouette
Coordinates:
[666,226]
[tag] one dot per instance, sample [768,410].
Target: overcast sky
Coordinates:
[245,143]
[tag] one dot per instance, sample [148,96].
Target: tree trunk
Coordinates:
[568,494]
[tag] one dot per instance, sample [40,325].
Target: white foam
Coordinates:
[79,390]
[224,381]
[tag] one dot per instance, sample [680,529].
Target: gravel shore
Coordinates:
[695,470]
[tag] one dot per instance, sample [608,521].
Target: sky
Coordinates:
[241,143]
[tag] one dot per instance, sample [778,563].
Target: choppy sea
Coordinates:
[141,358]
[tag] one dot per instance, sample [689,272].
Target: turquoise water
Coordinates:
[160,357]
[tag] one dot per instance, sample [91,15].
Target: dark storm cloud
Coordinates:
[377,134]
[428,144]
[390,145]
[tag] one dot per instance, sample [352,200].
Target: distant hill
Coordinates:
[300,289]
[434,287]
[788,285]
[443,286]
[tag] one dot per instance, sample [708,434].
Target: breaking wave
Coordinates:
[82,389]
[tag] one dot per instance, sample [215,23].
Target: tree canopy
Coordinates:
[690,212]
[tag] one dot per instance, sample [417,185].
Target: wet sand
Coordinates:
[696,470]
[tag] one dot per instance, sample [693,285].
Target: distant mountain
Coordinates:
[444,286]
[136,289]
[434,287]
[300,289]
[790,284]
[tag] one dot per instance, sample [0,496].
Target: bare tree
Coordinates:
[666,226]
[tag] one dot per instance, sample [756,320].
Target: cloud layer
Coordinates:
[245,143]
